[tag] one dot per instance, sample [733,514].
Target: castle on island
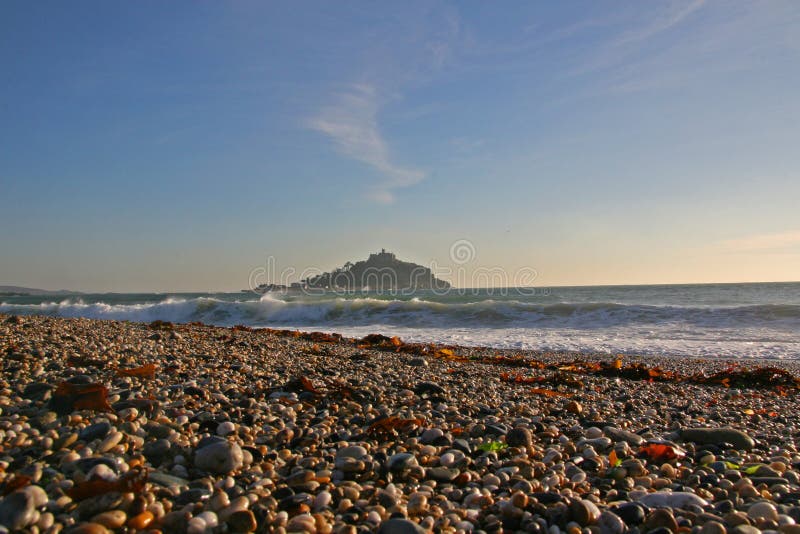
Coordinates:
[381,271]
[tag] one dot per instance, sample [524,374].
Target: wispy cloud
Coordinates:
[352,124]
[777,242]
[406,51]
[661,23]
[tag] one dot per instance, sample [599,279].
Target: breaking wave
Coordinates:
[416,312]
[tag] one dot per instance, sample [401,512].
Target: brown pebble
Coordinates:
[574,407]
[713,527]
[242,521]
[141,521]
[661,518]
[90,528]
[112,519]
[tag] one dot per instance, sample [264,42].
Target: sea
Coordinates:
[729,321]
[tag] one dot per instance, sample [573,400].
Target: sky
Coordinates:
[183,146]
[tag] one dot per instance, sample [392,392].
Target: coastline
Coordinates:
[242,429]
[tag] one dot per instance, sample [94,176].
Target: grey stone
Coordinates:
[219,458]
[397,525]
[737,438]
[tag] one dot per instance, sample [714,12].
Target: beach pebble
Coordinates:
[242,521]
[713,527]
[762,510]
[737,438]
[610,523]
[584,512]
[225,428]
[519,437]
[352,451]
[219,458]
[661,518]
[18,509]
[113,519]
[397,525]
[677,499]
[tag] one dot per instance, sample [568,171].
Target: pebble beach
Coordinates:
[109,426]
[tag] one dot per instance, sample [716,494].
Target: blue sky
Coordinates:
[175,146]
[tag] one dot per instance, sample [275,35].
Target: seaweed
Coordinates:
[145,371]
[131,482]
[68,397]
[392,425]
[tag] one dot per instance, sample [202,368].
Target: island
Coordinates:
[381,271]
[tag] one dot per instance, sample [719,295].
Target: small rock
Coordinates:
[242,521]
[219,458]
[225,428]
[632,513]
[610,523]
[713,527]
[677,499]
[397,525]
[618,434]
[18,510]
[519,437]
[714,436]
[574,407]
[661,518]
[95,431]
[112,519]
[762,510]
[353,451]
[584,512]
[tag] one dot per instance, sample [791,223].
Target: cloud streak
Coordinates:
[777,242]
[660,24]
[351,123]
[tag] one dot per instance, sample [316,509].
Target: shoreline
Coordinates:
[111,425]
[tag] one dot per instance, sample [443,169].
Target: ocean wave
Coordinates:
[488,313]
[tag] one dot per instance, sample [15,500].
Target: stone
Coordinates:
[428,387]
[398,525]
[714,436]
[713,527]
[225,428]
[18,509]
[400,461]
[89,528]
[632,513]
[519,437]
[242,521]
[95,431]
[111,441]
[155,451]
[219,458]
[418,362]
[574,407]
[113,519]
[610,523]
[661,518]
[584,512]
[762,510]
[431,435]
[676,499]
[618,434]
[353,451]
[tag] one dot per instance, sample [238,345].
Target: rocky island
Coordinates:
[381,271]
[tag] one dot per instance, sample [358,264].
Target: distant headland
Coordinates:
[381,271]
